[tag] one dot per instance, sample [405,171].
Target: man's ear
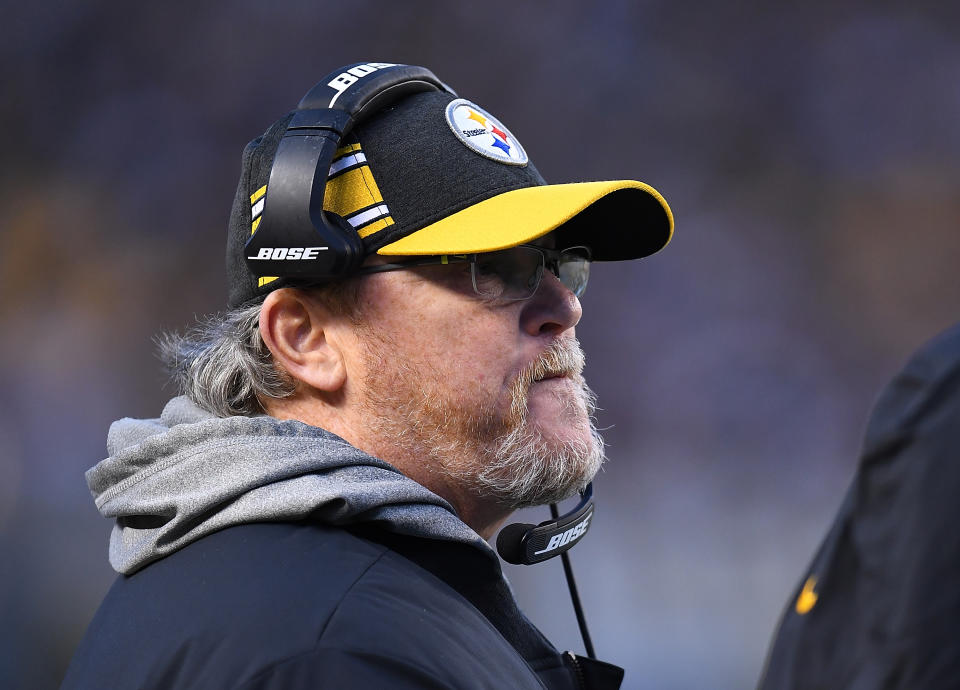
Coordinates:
[296,329]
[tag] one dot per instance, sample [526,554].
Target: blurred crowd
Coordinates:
[811,155]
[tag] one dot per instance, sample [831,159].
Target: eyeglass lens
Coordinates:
[515,274]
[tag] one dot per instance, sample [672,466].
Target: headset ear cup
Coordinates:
[350,251]
[325,248]
[297,240]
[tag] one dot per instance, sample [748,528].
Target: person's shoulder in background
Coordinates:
[929,375]
[879,606]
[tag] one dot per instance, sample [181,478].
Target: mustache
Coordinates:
[561,358]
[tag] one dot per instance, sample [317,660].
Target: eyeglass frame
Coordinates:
[549,259]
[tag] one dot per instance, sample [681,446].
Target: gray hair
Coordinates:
[223,365]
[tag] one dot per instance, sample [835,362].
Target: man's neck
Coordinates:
[482,516]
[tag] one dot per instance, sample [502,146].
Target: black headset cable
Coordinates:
[574,597]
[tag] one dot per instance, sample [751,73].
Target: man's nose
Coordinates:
[552,310]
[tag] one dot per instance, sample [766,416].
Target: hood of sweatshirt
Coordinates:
[172,480]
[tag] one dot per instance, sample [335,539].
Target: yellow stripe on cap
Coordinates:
[371,184]
[375,226]
[349,192]
[521,216]
[344,150]
[353,190]
[257,195]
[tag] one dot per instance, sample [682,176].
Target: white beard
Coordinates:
[506,458]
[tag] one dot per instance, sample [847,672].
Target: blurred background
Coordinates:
[811,154]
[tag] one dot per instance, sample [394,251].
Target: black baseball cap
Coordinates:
[435,174]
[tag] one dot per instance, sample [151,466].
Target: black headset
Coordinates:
[525,544]
[293,215]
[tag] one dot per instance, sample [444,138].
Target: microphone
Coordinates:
[526,544]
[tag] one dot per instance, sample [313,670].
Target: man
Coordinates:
[394,377]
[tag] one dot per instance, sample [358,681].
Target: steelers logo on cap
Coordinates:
[484,133]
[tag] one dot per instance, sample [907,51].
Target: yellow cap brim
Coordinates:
[622,219]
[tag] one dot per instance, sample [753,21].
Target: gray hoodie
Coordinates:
[173,480]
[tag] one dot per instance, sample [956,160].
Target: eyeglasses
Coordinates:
[510,274]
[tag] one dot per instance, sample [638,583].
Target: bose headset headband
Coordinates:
[293,215]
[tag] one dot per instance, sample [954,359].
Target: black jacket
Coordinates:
[308,606]
[263,553]
[879,607]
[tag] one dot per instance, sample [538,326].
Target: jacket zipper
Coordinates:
[577,671]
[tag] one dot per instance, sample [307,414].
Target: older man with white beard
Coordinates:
[396,374]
